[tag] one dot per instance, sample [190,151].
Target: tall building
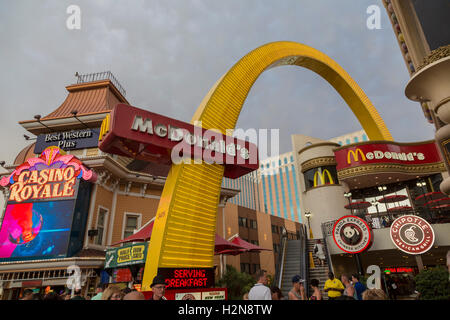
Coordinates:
[422,29]
[275,187]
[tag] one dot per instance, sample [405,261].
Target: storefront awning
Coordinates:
[400,208]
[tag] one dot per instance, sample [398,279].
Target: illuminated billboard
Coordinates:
[47,207]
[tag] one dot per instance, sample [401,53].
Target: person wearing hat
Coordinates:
[298,289]
[159,288]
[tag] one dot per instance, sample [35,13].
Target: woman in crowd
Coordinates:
[112,293]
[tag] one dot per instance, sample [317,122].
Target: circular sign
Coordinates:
[352,234]
[412,234]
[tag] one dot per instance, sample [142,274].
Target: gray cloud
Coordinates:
[167,54]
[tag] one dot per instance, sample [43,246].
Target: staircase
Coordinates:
[320,273]
[292,265]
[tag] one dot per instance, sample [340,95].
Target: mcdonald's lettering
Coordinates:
[321,175]
[355,155]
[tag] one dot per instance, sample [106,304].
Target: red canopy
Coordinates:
[247,245]
[420,200]
[437,202]
[393,198]
[400,208]
[358,205]
[222,246]
[142,235]
[442,206]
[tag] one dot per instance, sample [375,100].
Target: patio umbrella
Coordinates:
[422,199]
[223,246]
[394,198]
[249,247]
[357,205]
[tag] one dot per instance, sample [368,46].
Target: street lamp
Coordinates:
[348,195]
[308,216]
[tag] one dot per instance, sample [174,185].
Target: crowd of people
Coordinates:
[109,292]
[347,288]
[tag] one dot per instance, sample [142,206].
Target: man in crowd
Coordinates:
[333,287]
[359,287]
[99,293]
[134,295]
[27,294]
[159,288]
[77,295]
[260,291]
[298,290]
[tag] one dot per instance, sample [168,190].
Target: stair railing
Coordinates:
[281,259]
[305,265]
[327,230]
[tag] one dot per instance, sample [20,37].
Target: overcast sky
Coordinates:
[167,54]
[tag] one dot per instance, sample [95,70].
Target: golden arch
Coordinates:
[184,229]
[322,177]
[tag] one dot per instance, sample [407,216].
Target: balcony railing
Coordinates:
[90,77]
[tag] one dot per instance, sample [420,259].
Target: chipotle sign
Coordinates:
[412,234]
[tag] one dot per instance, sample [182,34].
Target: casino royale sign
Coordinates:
[412,234]
[352,234]
[147,136]
[392,153]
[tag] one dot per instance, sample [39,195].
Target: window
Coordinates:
[320,176]
[279,162]
[243,222]
[355,139]
[131,224]
[274,229]
[292,158]
[347,141]
[285,161]
[340,143]
[245,267]
[255,242]
[101,225]
[364,137]
[276,248]
[253,224]
[255,268]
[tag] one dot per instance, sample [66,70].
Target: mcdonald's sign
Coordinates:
[322,177]
[355,155]
[367,153]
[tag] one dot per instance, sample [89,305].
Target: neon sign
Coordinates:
[51,176]
[186,278]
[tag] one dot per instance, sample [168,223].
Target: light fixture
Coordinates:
[2,163]
[74,113]
[28,138]
[38,118]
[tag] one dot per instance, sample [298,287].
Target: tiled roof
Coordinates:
[88,98]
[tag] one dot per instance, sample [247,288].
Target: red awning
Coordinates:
[142,235]
[400,208]
[394,198]
[358,205]
[222,246]
[421,200]
[249,247]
